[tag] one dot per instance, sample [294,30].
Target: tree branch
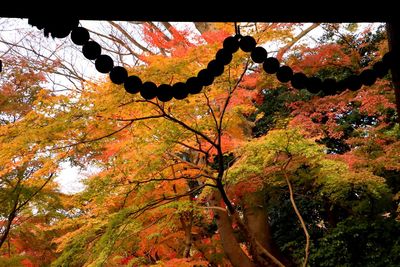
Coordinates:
[20,206]
[94,139]
[129,37]
[211,110]
[190,147]
[163,201]
[184,125]
[296,210]
[297,38]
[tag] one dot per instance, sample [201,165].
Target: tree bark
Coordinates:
[188,234]
[203,27]
[10,219]
[297,38]
[129,37]
[230,244]
[256,219]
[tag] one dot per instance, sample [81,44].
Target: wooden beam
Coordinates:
[205,11]
[393,32]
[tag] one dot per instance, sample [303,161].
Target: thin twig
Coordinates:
[296,210]
[215,208]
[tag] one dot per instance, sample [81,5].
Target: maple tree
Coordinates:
[249,172]
[28,195]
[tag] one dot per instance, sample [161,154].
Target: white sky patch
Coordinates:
[70,179]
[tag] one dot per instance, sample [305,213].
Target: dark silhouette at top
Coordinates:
[205,77]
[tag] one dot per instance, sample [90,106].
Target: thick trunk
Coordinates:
[256,219]
[10,217]
[187,226]
[188,244]
[230,244]
[207,252]
[295,39]
[330,214]
[4,236]
[203,27]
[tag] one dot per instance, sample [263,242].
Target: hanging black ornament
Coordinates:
[180,90]
[223,56]
[231,44]
[91,50]
[215,67]
[368,77]
[148,90]
[48,27]
[299,80]
[247,43]
[284,74]
[164,92]
[341,86]
[271,65]
[205,76]
[353,82]
[194,85]
[104,64]
[133,84]
[314,85]
[259,54]
[329,86]
[381,69]
[61,29]
[36,22]
[118,75]
[80,36]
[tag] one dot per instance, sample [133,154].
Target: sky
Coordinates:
[70,179]
[11,30]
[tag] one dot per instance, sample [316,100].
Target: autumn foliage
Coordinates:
[250,172]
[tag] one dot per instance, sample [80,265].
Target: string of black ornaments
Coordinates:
[205,77]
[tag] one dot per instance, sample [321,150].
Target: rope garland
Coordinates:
[205,77]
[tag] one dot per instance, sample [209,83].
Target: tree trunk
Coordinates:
[207,255]
[230,244]
[256,219]
[188,234]
[330,213]
[11,216]
[203,27]
[297,38]
[8,227]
